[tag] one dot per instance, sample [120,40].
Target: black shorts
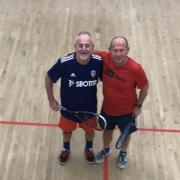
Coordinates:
[120,121]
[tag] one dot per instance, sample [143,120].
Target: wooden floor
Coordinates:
[34,33]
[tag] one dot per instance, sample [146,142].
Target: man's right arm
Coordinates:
[49,90]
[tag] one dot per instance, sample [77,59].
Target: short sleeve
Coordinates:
[55,71]
[141,78]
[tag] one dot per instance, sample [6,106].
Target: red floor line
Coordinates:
[28,123]
[159,130]
[106,159]
[105,169]
[55,125]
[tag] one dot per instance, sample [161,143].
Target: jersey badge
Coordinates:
[93,73]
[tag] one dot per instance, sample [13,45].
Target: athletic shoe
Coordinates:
[63,157]
[89,155]
[102,155]
[123,160]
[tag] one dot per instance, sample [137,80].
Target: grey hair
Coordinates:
[83,33]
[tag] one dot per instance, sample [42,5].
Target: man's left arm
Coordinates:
[142,96]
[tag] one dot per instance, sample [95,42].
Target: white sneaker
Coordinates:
[123,160]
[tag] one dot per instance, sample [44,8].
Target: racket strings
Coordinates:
[101,122]
[82,116]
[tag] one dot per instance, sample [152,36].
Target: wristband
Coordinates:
[139,105]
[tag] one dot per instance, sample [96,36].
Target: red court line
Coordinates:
[106,175]
[28,123]
[106,159]
[159,130]
[105,169]
[55,125]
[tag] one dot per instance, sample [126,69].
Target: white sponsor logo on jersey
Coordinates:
[86,83]
[71,83]
[82,83]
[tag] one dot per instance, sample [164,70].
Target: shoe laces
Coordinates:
[104,151]
[123,156]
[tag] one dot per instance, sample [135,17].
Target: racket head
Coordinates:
[130,128]
[101,123]
[119,143]
[82,116]
[121,140]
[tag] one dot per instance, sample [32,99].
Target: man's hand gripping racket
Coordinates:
[101,121]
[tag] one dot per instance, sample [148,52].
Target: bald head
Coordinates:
[118,50]
[119,39]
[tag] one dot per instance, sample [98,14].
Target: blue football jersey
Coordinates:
[78,90]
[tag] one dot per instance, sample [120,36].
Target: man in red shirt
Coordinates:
[122,76]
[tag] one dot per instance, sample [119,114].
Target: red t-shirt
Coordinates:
[119,84]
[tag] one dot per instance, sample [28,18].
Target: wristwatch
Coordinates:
[139,105]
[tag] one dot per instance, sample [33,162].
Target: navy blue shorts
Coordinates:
[120,121]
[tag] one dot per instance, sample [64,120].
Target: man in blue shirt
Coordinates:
[79,73]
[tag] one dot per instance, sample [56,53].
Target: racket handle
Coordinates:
[62,108]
